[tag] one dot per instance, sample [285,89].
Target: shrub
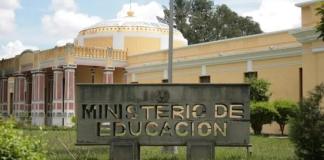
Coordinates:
[261,113]
[74,120]
[285,109]
[14,145]
[259,90]
[307,127]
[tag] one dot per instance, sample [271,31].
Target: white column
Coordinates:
[69,94]
[165,74]
[4,96]
[203,70]
[249,66]
[57,109]
[38,98]
[108,75]
[19,102]
[133,77]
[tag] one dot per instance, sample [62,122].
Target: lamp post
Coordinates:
[170,53]
[170,149]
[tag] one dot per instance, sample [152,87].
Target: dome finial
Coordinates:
[130,13]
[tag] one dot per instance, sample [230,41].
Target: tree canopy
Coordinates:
[202,21]
[320,26]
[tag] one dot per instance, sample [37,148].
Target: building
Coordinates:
[41,84]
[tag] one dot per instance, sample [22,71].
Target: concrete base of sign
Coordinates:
[200,151]
[124,150]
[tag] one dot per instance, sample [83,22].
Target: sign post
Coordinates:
[127,116]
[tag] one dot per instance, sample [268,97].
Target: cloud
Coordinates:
[66,21]
[274,15]
[14,48]
[147,11]
[240,6]
[68,5]
[8,15]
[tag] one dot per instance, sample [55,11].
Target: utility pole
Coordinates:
[170,149]
[170,55]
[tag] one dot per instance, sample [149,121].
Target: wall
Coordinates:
[227,73]
[136,45]
[231,46]
[101,42]
[119,75]
[283,74]
[83,74]
[280,72]
[309,16]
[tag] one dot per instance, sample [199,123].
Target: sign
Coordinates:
[163,114]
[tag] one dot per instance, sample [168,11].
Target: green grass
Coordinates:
[60,146]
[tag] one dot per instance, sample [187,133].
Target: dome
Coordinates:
[129,22]
[129,33]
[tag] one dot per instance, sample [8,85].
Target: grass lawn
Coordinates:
[60,146]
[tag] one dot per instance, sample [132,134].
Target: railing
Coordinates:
[47,58]
[100,53]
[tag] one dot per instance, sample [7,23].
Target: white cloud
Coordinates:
[14,48]
[147,11]
[65,21]
[7,15]
[274,15]
[63,5]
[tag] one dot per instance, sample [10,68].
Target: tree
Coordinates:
[320,27]
[259,90]
[307,127]
[285,109]
[202,21]
[229,24]
[261,113]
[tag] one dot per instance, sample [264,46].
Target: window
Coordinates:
[204,79]
[250,75]
[165,81]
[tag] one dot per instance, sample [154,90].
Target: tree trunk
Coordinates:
[257,129]
[282,128]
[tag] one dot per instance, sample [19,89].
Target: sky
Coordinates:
[43,24]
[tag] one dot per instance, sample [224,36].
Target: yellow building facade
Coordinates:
[41,84]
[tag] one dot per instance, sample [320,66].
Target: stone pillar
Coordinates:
[57,109]
[125,150]
[19,103]
[38,98]
[108,77]
[4,96]
[69,94]
[200,151]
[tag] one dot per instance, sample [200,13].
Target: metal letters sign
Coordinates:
[163,114]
